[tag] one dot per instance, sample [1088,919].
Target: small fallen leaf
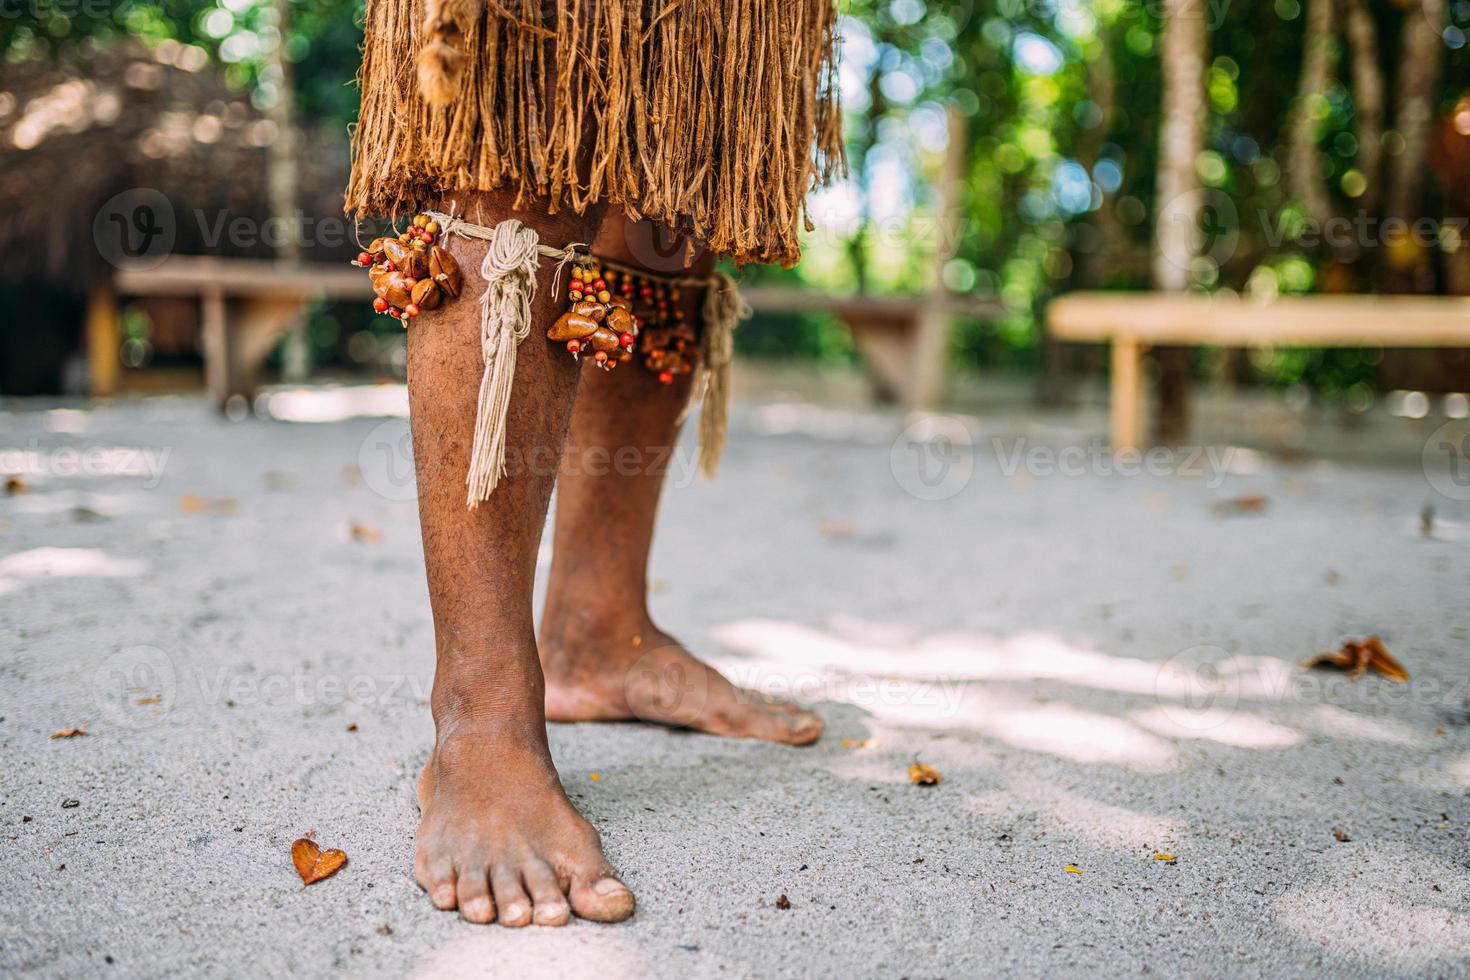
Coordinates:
[1071,869]
[859,743]
[193,504]
[364,532]
[1250,503]
[312,863]
[783,902]
[352,727]
[596,777]
[385,930]
[1165,857]
[1341,835]
[70,804]
[14,486]
[836,529]
[921,774]
[1439,731]
[151,699]
[69,733]
[1356,658]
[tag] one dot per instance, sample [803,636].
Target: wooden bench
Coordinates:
[245,305]
[1132,322]
[904,340]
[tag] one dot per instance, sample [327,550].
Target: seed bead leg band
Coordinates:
[412,273]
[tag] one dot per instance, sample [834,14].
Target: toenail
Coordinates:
[608,886]
[550,911]
[444,895]
[515,912]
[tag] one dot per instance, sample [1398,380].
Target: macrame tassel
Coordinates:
[509,271]
[724,307]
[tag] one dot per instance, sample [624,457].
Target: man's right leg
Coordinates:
[498,835]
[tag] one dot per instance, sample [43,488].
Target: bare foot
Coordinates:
[647,675]
[499,839]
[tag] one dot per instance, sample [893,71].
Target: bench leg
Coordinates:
[1126,398]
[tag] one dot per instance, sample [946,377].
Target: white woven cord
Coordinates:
[509,271]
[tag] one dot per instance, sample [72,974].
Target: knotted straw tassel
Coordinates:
[724,307]
[509,271]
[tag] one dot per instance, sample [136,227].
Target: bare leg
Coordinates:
[602,654]
[497,834]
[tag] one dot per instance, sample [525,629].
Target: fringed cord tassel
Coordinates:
[509,271]
[724,307]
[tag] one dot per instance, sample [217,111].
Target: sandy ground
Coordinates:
[1103,666]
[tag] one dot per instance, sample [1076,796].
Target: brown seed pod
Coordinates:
[622,320]
[620,302]
[604,339]
[588,308]
[573,326]
[394,288]
[376,248]
[395,252]
[426,294]
[445,270]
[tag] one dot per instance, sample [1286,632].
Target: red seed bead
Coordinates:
[627,287]
[394,311]
[627,341]
[390,267]
[411,281]
[599,284]
[364,258]
[412,309]
[646,292]
[380,304]
[600,357]
[666,377]
[577,284]
[574,346]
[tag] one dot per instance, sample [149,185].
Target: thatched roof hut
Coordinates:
[125,118]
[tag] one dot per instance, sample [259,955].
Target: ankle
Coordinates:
[574,634]
[506,702]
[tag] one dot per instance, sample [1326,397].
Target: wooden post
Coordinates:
[217,353]
[104,338]
[1126,401]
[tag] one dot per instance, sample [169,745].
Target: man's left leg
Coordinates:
[603,657]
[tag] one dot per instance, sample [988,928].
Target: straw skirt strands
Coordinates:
[713,118]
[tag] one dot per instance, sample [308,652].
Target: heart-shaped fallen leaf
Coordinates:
[312,863]
[924,775]
[69,733]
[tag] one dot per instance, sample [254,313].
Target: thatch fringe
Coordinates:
[713,117]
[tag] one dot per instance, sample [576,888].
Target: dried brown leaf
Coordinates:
[364,532]
[69,733]
[1250,503]
[15,486]
[922,774]
[783,902]
[1357,658]
[1341,835]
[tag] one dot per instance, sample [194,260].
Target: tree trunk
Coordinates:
[1362,37]
[282,169]
[1305,162]
[1178,195]
[1421,53]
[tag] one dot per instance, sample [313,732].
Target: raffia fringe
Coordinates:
[509,270]
[711,117]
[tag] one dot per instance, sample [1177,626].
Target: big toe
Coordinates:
[604,899]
